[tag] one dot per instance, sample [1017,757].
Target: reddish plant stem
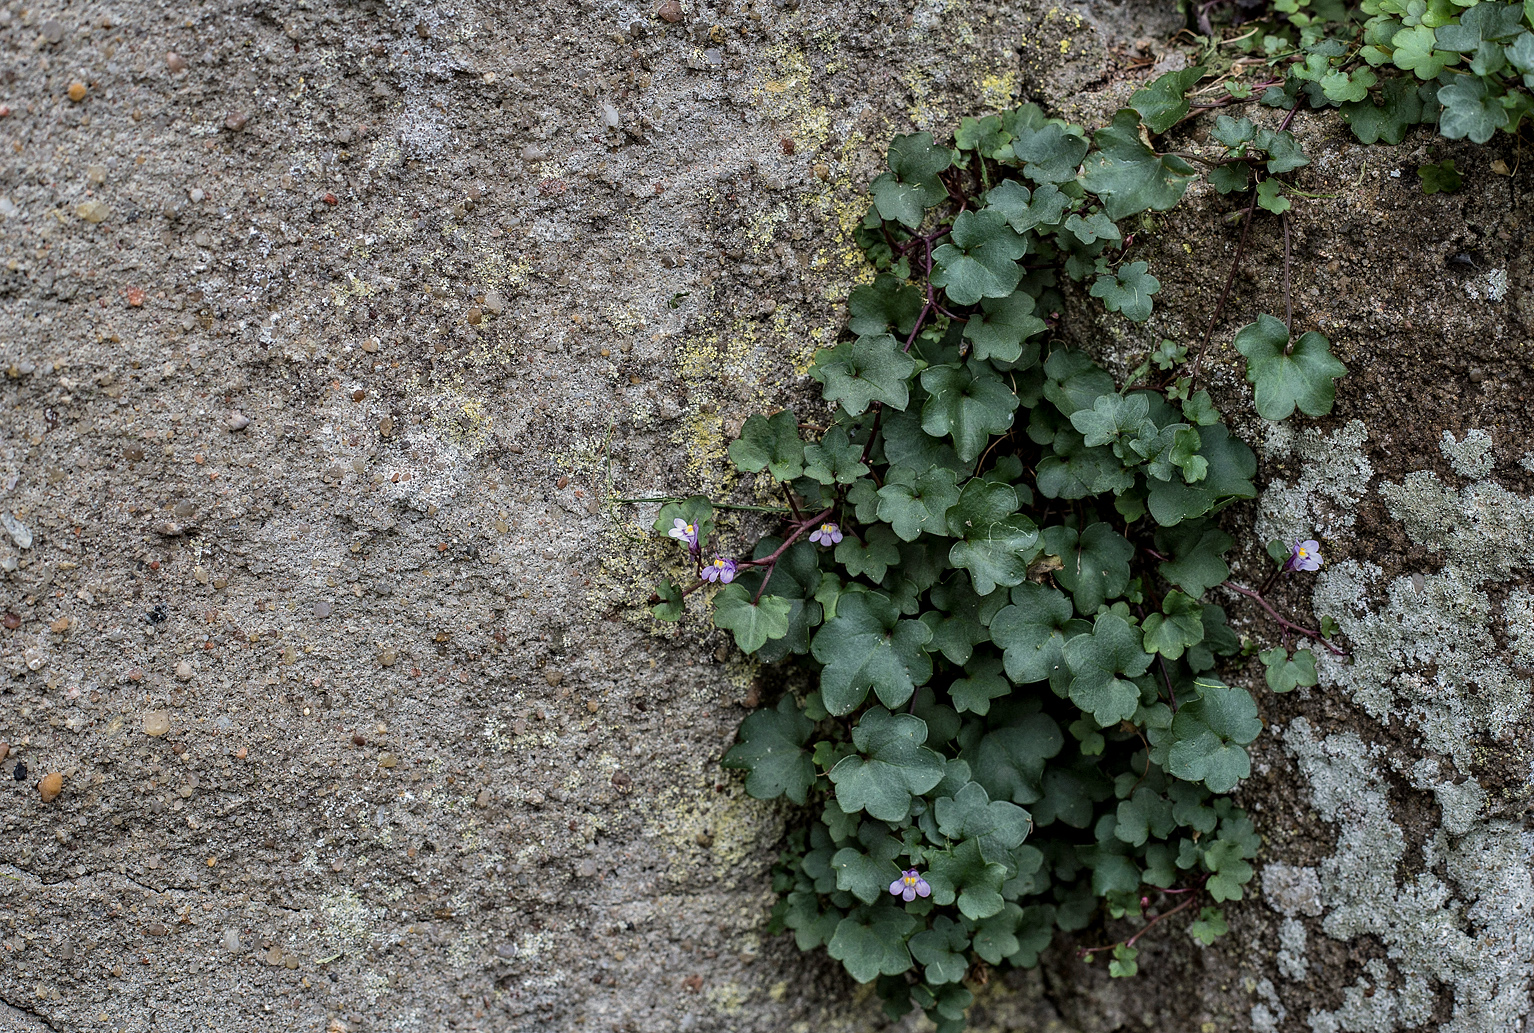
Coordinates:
[771,561]
[1283,621]
[926,306]
[1235,266]
[1085,951]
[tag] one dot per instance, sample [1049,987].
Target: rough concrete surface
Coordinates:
[332,337]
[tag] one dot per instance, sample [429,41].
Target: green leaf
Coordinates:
[1399,109]
[1145,814]
[1111,416]
[1025,211]
[941,950]
[916,158]
[835,459]
[1074,381]
[1229,871]
[996,542]
[870,942]
[1283,150]
[771,751]
[1210,732]
[893,766]
[969,403]
[906,444]
[1076,471]
[1163,101]
[1229,179]
[981,259]
[866,873]
[1231,466]
[1095,565]
[997,825]
[696,510]
[1285,674]
[1123,964]
[866,646]
[873,308]
[963,874]
[1234,133]
[1090,229]
[912,503]
[894,201]
[986,135]
[1209,927]
[872,556]
[1180,624]
[1197,550]
[1113,648]
[1439,178]
[1009,761]
[1521,54]
[959,619]
[1470,109]
[753,624]
[1050,153]
[1127,175]
[771,443]
[912,184]
[982,683]
[1031,632]
[1414,51]
[812,927]
[1270,197]
[867,370]
[1128,291]
[1287,376]
[997,332]
[670,606]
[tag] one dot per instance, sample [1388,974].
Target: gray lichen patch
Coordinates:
[1471,455]
[1471,933]
[1452,905]
[1330,476]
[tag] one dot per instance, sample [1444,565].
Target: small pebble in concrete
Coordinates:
[235,121]
[51,786]
[184,671]
[77,91]
[175,62]
[323,608]
[237,421]
[156,722]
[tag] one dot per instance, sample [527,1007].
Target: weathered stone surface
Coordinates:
[436,768]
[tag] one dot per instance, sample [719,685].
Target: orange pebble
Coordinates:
[51,786]
[77,91]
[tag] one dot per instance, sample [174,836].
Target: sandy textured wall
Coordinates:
[331,336]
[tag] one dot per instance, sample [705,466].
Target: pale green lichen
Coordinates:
[1471,455]
[1423,654]
[1317,483]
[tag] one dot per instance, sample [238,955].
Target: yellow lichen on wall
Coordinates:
[737,828]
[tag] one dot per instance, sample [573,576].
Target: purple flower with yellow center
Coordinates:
[1304,555]
[721,570]
[685,531]
[910,885]
[827,534]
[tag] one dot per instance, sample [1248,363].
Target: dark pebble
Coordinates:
[20,774]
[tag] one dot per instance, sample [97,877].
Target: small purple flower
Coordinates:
[721,570]
[1304,555]
[683,531]
[910,885]
[827,534]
